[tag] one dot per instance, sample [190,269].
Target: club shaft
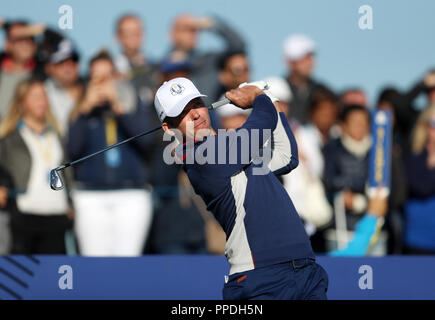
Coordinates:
[225,101]
[214,105]
[219,103]
[66,165]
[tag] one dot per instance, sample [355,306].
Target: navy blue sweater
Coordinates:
[255,211]
[421,179]
[125,167]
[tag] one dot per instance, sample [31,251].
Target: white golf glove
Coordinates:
[262,85]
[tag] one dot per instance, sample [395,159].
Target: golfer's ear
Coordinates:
[167,129]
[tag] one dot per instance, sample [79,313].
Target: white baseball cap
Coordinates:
[279,88]
[297,46]
[173,96]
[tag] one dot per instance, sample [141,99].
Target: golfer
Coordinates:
[269,253]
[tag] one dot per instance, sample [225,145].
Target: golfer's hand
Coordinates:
[243,97]
[3,197]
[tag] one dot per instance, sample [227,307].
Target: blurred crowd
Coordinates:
[128,202]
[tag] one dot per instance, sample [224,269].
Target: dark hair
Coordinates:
[101,55]
[171,121]
[388,94]
[227,55]
[348,109]
[8,25]
[321,94]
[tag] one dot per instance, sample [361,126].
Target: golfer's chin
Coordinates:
[202,132]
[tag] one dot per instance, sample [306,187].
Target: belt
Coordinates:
[301,263]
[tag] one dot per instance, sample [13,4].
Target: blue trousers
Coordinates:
[301,279]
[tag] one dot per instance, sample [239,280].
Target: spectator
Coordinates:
[406,111]
[319,131]
[386,101]
[323,116]
[184,33]
[112,197]
[299,51]
[280,89]
[132,63]
[233,70]
[5,233]
[130,36]
[17,64]
[312,138]
[63,86]
[420,171]
[29,148]
[304,185]
[23,56]
[346,162]
[367,229]
[353,96]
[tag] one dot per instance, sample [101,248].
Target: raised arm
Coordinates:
[244,144]
[284,148]
[280,152]
[232,38]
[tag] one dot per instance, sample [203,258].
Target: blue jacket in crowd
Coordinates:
[420,207]
[121,167]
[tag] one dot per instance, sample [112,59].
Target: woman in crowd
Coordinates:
[112,195]
[29,147]
[420,170]
[346,162]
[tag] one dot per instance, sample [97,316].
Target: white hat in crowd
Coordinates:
[173,96]
[229,110]
[298,46]
[279,88]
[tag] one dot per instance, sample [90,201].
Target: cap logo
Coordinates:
[176,89]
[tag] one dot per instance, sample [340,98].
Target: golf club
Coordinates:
[56,181]
[261,84]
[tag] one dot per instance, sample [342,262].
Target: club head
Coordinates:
[56,182]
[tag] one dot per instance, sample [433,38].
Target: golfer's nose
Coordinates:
[195,114]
